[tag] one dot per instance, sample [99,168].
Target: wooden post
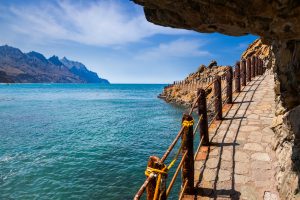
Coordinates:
[202,110]
[154,162]
[218,99]
[263,67]
[252,67]
[188,146]
[237,77]
[257,66]
[229,85]
[260,67]
[243,71]
[248,65]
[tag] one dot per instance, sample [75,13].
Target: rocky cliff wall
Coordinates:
[277,22]
[184,92]
[286,124]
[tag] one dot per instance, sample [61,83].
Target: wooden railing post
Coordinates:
[260,66]
[256,66]
[248,65]
[202,111]
[237,77]
[154,162]
[229,78]
[188,146]
[218,97]
[263,67]
[243,71]
[252,67]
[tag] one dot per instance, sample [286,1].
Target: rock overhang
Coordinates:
[271,20]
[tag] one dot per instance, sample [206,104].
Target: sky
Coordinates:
[114,39]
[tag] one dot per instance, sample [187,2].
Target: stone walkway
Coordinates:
[240,163]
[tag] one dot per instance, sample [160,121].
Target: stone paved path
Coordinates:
[240,162]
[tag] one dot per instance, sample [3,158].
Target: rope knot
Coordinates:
[150,170]
[187,123]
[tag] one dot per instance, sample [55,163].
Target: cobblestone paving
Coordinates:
[240,163]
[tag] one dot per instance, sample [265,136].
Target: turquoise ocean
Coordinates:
[81,141]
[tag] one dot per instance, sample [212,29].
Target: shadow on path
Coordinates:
[213,190]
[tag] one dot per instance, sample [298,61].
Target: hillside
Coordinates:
[33,67]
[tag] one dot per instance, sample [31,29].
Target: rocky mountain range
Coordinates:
[33,67]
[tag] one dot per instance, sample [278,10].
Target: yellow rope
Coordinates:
[175,158]
[187,123]
[149,170]
[159,173]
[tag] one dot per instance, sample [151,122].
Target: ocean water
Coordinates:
[81,141]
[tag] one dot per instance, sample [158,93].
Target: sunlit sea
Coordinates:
[81,141]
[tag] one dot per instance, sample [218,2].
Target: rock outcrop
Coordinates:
[277,23]
[262,51]
[184,92]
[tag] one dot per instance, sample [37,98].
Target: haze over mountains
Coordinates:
[33,67]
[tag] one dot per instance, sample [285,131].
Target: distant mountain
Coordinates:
[33,67]
[80,70]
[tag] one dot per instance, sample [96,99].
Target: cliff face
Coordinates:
[33,67]
[277,23]
[258,49]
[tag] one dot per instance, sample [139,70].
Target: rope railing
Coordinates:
[157,171]
[196,128]
[176,174]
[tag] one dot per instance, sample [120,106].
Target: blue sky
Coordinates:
[113,38]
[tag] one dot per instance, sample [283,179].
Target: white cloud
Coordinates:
[100,23]
[178,48]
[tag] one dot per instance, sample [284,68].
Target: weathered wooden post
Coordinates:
[237,77]
[229,78]
[218,97]
[188,146]
[243,71]
[260,67]
[257,66]
[248,65]
[263,67]
[252,67]
[202,112]
[154,163]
